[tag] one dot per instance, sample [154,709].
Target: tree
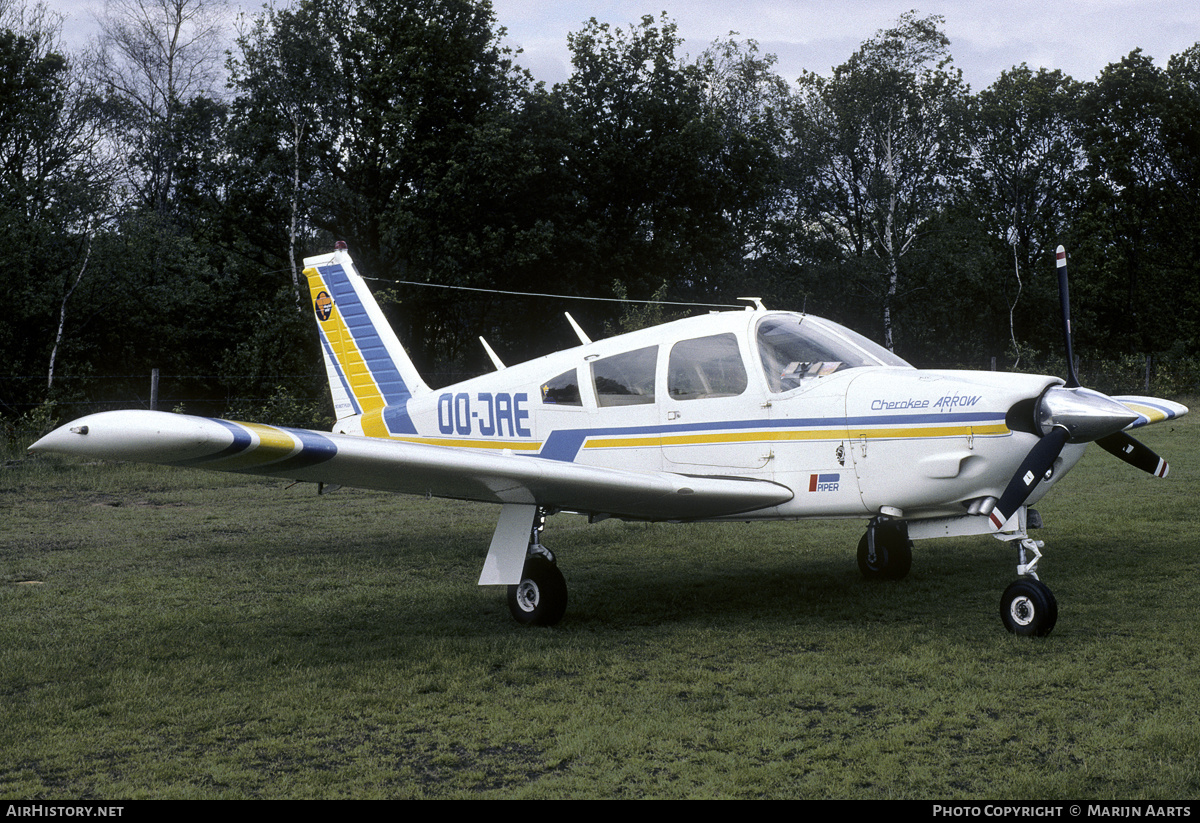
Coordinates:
[287,78]
[750,103]
[1128,301]
[1025,174]
[406,130]
[154,58]
[878,150]
[54,189]
[656,185]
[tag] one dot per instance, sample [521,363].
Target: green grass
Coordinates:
[175,634]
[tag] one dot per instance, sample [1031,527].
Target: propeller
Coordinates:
[1073,414]
[1064,301]
[1134,453]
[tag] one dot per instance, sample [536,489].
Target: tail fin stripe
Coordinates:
[332,358]
[377,365]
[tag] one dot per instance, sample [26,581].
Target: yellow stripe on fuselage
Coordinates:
[931,431]
[708,438]
[345,350]
[517,446]
[373,426]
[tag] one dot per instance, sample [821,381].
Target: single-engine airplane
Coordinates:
[736,415]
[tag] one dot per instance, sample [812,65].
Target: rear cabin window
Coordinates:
[562,390]
[626,379]
[706,367]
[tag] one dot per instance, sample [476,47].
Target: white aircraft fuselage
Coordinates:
[846,444]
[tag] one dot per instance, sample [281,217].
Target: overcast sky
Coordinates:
[1080,37]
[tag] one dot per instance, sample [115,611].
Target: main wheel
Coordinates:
[1028,608]
[893,554]
[540,599]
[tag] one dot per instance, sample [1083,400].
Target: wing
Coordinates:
[374,463]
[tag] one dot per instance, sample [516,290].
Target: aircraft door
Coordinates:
[711,414]
[624,428]
[807,379]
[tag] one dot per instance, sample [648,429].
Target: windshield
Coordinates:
[796,348]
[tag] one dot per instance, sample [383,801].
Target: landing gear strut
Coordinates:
[540,599]
[1028,607]
[885,552]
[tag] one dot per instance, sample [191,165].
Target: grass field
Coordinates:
[176,634]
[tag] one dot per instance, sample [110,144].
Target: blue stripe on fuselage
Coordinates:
[565,444]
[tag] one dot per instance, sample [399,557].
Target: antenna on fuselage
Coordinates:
[583,338]
[495,358]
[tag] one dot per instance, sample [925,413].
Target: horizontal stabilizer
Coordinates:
[415,468]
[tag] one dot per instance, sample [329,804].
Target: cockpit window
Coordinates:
[562,390]
[706,367]
[626,379]
[796,348]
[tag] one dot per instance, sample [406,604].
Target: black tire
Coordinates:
[1028,608]
[540,599]
[893,554]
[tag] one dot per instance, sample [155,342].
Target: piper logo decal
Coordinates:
[324,305]
[823,482]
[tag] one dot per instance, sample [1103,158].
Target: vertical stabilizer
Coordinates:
[369,371]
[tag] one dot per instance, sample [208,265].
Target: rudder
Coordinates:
[367,367]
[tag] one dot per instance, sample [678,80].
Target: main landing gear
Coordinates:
[540,599]
[885,552]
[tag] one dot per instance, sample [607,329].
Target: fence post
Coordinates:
[993,362]
[154,389]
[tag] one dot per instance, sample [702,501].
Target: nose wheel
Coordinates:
[1028,608]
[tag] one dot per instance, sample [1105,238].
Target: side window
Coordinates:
[626,379]
[706,367]
[562,390]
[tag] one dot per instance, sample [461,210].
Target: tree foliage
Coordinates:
[153,220]
[879,147]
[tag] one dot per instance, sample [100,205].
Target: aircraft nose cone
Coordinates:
[1085,414]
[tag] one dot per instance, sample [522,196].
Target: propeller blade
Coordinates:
[1064,299]
[1032,469]
[1134,453]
